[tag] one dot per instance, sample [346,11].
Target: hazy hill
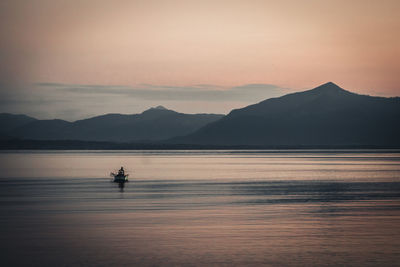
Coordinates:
[151,125]
[326,115]
[11,121]
[8,122]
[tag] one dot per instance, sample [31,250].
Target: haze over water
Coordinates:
[200,208]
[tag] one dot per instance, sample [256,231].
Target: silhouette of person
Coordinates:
[121,171]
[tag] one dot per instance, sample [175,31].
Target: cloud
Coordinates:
[249,92]
[78,101]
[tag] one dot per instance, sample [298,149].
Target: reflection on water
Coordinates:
[121,186]
[297,208]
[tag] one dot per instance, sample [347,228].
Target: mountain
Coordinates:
[326,115]
[9,122]
[151,125]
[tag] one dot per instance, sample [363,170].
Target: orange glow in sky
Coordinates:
[288,43]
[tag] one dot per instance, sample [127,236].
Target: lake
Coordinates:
[200,208]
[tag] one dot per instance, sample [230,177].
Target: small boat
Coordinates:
[120,177]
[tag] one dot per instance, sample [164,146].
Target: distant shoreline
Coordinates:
[18,144]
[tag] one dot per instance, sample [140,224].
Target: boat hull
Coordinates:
[120,178]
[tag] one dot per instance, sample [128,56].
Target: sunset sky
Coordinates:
[74,59]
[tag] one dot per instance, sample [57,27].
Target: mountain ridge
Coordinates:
[151,125]
[325,115]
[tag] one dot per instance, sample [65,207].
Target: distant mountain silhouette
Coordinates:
[151,125]
[9,122]
[326,115]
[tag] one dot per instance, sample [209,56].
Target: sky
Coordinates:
[74,59]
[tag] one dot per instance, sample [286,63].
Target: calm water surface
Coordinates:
[200,208]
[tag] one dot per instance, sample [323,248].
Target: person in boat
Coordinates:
[121,172]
